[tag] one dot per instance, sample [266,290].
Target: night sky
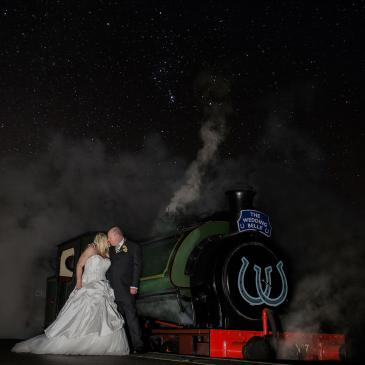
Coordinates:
[119,71]
[109,107]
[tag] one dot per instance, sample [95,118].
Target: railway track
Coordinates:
[200,360]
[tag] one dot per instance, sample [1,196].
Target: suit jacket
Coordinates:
[125,269]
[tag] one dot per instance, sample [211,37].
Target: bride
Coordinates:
[88,323]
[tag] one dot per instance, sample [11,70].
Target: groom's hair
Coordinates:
[116,230]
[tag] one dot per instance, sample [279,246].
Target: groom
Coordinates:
[124,274]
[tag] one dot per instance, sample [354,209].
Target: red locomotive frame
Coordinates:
[222,343]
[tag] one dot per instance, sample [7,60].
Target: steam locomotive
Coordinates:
[213,288]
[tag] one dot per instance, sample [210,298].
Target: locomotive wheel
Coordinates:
[258,348]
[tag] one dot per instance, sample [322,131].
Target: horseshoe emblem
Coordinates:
[263,294]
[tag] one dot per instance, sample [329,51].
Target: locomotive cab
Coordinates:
[61,285]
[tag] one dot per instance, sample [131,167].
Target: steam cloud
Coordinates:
[311,228]
[217,107]
[212,135]
[74,187]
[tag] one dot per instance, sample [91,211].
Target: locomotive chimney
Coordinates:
[238,200]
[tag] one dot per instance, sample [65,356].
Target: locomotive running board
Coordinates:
[219,343]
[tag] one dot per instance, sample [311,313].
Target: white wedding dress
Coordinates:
[88,323]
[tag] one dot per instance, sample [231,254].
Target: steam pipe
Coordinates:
[265,325]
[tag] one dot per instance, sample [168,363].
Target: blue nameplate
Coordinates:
[253,220]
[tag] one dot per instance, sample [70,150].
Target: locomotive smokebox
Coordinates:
[239,199]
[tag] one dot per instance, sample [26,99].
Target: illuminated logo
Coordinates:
[263,296]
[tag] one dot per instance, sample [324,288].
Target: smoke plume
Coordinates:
[214,95]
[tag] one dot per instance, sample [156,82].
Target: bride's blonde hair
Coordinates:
[101,244]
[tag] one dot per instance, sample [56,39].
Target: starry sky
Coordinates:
[118,71]
[102,108]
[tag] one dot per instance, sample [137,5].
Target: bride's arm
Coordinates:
[90,250]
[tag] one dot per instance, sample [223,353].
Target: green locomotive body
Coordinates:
[165,287]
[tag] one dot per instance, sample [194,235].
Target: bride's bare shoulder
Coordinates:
[90,250]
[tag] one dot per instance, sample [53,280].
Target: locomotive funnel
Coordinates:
[238,200]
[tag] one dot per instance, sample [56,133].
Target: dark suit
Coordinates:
[124,272]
